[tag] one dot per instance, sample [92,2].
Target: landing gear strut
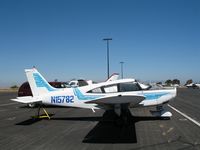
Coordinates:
[161,112]
[123,115]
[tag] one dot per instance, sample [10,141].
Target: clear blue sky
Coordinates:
[157,39]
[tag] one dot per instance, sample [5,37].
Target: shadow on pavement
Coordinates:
[32,120]
[109,129]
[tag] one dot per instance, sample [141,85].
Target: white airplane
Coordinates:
[81,82]
[113,77]
[193,85]
[117,95]
[198,85]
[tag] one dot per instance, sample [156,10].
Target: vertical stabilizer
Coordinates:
[38,84]
[113,77]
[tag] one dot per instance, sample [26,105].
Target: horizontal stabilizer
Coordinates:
[119,100]
[27,99]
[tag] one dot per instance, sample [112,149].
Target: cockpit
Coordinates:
[119,87]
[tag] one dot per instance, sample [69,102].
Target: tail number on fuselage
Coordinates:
[62,99]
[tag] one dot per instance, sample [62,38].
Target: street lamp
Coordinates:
[122,76]
[108,63]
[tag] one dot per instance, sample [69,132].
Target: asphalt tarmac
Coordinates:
[72,128]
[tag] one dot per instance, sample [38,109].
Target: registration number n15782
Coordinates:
[62,99]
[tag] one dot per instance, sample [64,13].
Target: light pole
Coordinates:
[108,63]
[122,73]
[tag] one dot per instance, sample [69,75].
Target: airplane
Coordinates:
[113,77]
[81,82]
[117,95]
[144,86]
[198,85]
[193,85]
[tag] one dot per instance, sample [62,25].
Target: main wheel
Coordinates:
[31,105]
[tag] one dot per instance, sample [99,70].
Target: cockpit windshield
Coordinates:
[127,87]
[120,87]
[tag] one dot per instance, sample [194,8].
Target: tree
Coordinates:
[176,81]
[14,87]
[168,82]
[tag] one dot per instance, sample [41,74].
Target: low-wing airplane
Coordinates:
[81,82]
[117,95]
[193,85]
[113,77]
[198,85]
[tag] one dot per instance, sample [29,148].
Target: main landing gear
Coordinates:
[161,112]
[123,116]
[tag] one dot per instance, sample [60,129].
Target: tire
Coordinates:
[31,105]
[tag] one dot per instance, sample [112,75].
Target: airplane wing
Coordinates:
[119,100]
[27,99]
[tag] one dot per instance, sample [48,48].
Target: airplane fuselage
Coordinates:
[77,97]
[112,94]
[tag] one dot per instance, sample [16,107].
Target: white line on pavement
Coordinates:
[7,104]
[186,116]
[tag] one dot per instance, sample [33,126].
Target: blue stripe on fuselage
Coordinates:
[153,96]
[80,95]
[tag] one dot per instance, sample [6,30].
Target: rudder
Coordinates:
[38,84]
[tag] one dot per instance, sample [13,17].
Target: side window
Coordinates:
[110,89]
[127,87]
[97,90]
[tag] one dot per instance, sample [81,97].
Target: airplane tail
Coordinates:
[113,77]
[38,84]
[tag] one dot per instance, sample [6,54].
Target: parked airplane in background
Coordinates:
[81,82]
[113,77]
[117,95]
[193,85]
[198,85]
